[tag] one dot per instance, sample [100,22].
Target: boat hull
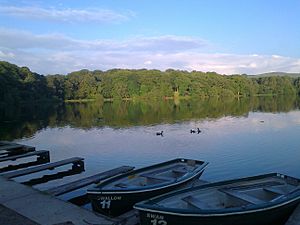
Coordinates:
[274,216]
[117,203]
[267,199]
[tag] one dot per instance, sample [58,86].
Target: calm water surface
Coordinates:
[239,137]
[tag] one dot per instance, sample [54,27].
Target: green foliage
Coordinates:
[20,84]
[276,85]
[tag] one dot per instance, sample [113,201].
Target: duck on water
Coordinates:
[160,133]
[193,131]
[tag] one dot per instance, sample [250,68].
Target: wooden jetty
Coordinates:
[41,155]
[14,152]
[21,204]
[14,147]
[56,191]
[43,208]
[76,161]
[9,149]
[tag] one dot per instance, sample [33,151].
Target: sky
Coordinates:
[225,36]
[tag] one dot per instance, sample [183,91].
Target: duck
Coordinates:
[198,130]
[159,133]
[192,131]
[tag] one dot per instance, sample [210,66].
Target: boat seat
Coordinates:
[284,195]
[166,169]
[242,196]
[196,202]
[121,185]
[258,185]
[274,190]
[155,177]
[294,190]
[180,170]
[191,162]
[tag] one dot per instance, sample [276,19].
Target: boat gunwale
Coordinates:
[150,205]
[97,190]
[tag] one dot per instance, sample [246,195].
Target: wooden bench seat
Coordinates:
[180,170]
[196,202]
[242,196]
[76,161]
[275,190]
[121,185]
[155,177]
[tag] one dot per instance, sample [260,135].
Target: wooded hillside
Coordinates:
[20,84]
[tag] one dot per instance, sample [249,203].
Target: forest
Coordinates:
[19,84]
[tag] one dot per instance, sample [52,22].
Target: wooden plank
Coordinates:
[275,190]
[10,147]
[14,147]
[41,153]
[164,169]
[88,180]
[24,165]
[121,185]
[16,151]
[53,176]
[43,208]
[242,196]
[156,177]
[180,170]
[289,193]
[196,202]
[257,185]
[5,143]
[76,161]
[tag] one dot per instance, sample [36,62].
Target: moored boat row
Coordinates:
[159,195]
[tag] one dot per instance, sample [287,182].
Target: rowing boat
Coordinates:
[117,195]
[261,200]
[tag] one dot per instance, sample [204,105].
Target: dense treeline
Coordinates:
[121,83]
[20,84]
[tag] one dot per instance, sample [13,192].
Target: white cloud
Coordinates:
[6,55]
[25,40]
[54,53]
[276,56]
[148,62]
[65,15]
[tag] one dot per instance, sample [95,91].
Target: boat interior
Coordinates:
[235,195]
[159,175]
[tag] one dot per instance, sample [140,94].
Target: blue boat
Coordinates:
[260,200]
[118,195]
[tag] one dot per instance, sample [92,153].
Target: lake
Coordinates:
[239,137]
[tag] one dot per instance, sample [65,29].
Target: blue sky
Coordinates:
[226,36]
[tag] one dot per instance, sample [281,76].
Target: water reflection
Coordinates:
[26,120]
